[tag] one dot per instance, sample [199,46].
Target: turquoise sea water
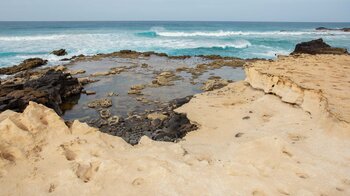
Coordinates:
[21,40]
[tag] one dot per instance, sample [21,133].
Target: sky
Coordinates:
[178,10]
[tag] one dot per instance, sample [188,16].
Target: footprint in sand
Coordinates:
[86,171]
[296,137]
[302,175]
[138,181]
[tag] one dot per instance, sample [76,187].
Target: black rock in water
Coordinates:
[25,65]
[60,52]
[317,47]
[330,29]
[52,89]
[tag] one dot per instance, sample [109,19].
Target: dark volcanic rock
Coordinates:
[330,29]
[52,89]
[175,126]
[25,65]
[60,52]
[317,47]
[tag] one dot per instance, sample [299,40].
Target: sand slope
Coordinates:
[249,143]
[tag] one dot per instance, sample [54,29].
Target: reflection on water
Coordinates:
[123,103]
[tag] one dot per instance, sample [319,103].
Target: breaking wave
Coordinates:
[235,33]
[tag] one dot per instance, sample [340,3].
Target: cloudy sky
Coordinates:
[194,10]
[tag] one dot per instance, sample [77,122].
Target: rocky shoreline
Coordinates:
[274,133]
[61,88]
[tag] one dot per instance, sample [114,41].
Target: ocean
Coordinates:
[22,40]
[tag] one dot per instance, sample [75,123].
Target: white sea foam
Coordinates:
[31,38]
[244,33]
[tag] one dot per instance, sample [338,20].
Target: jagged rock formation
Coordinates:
[317,47]
[320,89]
[60,52]
[25,65]
[51,89]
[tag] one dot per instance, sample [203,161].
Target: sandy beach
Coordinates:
[284,130]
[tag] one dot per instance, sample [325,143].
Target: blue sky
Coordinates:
[195,10]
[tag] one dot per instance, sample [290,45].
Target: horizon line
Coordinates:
[252,21]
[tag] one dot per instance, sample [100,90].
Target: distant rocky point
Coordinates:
[317,46]
[330,29]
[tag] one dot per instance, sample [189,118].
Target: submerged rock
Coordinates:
[317,47]
[76,72]
[102,73]
[86,80]
[87,92]
[105,113]
[135,92]
[60,52]
[52,89]
[25,65]
[100,103]
[163,125]
[164,79]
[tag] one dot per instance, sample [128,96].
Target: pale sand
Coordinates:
[301,148]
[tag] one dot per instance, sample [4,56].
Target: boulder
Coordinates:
[317,47]
[52,89]
[60,52]
[25,65]
[102,73]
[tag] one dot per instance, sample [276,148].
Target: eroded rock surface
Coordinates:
[25,65]
[317,47]
[52,89]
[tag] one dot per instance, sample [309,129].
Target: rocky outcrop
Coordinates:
[315,83]
[60,52]
[317,47]
[52,89]
[25,65]
[330,29]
